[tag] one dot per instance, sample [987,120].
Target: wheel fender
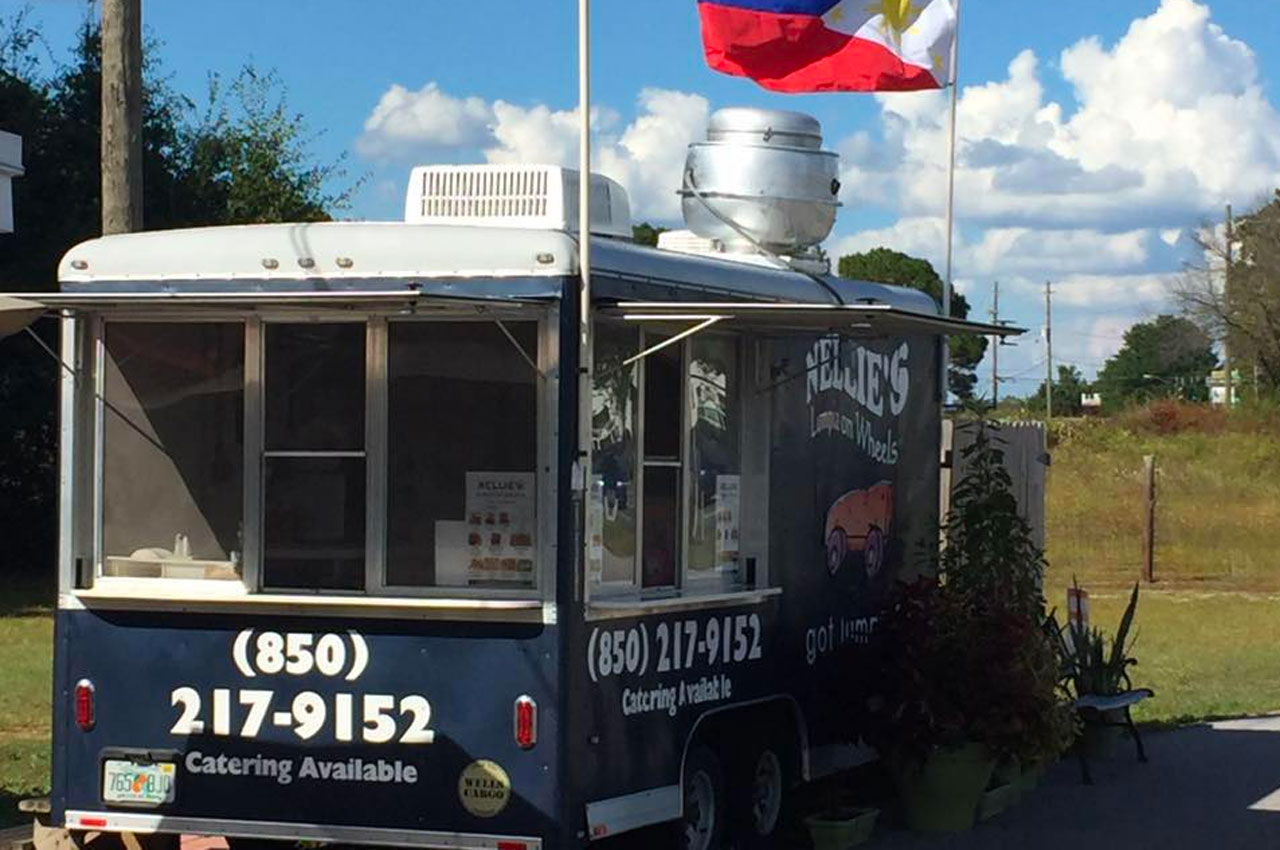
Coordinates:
[721,717]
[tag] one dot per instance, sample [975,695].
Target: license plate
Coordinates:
[129,782]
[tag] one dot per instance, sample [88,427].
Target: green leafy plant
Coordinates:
[954,670]
[965,657]
[1098,666]
[990,554]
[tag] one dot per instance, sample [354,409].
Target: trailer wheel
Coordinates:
[837,546]
[702,826]
[873,554]
[760,788]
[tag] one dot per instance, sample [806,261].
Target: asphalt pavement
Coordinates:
[1214,786]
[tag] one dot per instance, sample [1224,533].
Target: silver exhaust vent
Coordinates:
[761,181]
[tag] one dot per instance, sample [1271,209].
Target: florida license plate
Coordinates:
[132,783]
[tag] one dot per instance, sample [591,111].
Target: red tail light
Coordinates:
[526,722]
[86,711]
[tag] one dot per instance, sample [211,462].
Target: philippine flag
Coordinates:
[831,45]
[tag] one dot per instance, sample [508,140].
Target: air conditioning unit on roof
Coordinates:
[537,197]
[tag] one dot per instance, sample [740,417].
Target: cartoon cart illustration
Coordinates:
[858,521]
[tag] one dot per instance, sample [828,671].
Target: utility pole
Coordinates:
[1226,310]
[121,116]
[1048,353]
[995,347]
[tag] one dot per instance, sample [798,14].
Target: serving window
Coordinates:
[381,455]
[668,455]
[171,436]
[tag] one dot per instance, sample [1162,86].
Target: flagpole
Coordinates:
[951,194]
[582,475]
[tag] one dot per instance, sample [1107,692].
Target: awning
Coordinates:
[179,301]
[872,319]
[17,313]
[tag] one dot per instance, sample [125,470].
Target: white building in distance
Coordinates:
[10,167]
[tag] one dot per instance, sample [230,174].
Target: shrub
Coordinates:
[1171,416]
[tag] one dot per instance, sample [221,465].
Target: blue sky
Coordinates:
[1095,134]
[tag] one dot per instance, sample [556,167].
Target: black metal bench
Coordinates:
[1093,710]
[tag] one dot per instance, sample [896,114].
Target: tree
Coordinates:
[1245,312]
[647,234]
[244,160]
[1067,388]
[883,265]
[1169,357]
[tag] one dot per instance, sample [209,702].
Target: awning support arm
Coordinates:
[533,364]
[75,376]
[706,322]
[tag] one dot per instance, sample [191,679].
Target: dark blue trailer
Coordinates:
[331,568]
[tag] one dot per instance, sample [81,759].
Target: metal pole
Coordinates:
[951,198]
[1048,353]
[121,116]
[995,346]
[582,477]
[1226,310]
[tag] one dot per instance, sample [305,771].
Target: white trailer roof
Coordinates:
[381,264]
[319,251]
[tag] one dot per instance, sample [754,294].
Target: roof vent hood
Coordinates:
[534,197]
[761,182]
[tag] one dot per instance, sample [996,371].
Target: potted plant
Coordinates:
[968,674]
[1098,667]
[841,827]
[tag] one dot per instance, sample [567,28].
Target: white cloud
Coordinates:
[1121,291]
[645,156]
[1169,123]
[429,118]
[1011,251]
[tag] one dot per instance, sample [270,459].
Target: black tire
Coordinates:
[702,789]
[758,793]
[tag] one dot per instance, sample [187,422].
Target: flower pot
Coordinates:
[1099,741]
[998,799]
[941,793]
[1030,776]
[838,829]
[1008,772]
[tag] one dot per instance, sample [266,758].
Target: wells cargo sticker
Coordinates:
[345,716]
[484,788]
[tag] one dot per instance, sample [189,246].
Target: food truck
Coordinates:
[333,566]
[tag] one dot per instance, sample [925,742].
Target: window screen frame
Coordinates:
[544,568]
[746,357]
[545,317]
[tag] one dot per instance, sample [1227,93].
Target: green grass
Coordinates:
[26,665]
[1217,507]
[1208,627]
[1205,654]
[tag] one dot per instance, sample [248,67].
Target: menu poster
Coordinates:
[595,529]
[500,528]
[728,495]
[452,553]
